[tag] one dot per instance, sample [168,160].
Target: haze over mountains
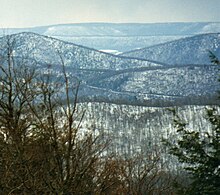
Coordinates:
[123,29]
[166,72]
[128,87]
[121,37]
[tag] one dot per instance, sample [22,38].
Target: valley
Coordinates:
[117,97]
[127,95]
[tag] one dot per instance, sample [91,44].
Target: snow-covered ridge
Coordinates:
[124,29]
[45,49]
[190,50]
[141,29]
[111,78]
[122,37]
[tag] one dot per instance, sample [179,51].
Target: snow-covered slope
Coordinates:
[124,29]
[190,50]
[135,29]
[139,128]
[117,79]
[124,80]
[48,50]
[121,37]
[168,81]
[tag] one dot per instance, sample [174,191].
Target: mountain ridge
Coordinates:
[160,28]
[33,41]
[121,37]
[112,78]
[179,51]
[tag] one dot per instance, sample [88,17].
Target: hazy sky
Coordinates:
[28,13]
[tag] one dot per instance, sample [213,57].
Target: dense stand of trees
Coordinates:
[199,152]
[44,151]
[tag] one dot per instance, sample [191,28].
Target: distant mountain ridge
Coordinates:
[141,89]
[123,29]
[190,50]
[112,78]
[121,37]
[45,49]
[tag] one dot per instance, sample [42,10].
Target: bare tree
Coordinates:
[44,150]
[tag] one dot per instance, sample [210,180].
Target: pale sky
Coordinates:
[30,13]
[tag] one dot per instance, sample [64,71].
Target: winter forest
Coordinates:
[110,109]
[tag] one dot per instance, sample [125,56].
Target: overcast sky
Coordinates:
[29,13]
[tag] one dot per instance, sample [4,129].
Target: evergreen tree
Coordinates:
[199,152]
